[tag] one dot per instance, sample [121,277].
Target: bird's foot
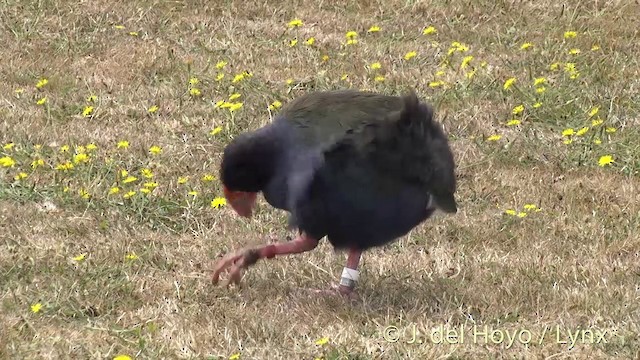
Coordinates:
[237,262]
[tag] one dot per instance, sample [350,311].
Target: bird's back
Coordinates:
[376,181]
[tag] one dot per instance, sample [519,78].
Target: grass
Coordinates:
[88,271]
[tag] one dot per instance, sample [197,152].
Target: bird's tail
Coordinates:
[423,148]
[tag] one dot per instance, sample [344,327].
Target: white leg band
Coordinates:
[349,277]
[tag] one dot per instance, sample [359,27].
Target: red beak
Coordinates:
[242,202]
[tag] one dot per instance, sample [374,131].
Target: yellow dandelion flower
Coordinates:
[466,61]
[42,101]
[218,202]
[153,109]
[35,308]
[235,356]
[20,176]
[122,144]
[208,177]
[570,67]
[36,163]
[131,256]
[80,158]
[192,193]
[541,89]
[606,160]
[155,150]
[513,122]
[325,58]
[124,173]
[195,92]
[183,179]
[574,51]
[522,214]
[567,141]
[289,81]
[554,66]
[84,194]
[530,207]
[234,96]
[373,29]
[91,147]
[295,23]
[119,27]
[80,257]
[594,111]
[344,77]
[429,30]
[470,74]
[114,190]
[596,122]
[495,137]
[375,66]
[215,130]
[322,341]
[568,132]
[235,106]
[610,130]
[537,105]
[221,64]
[275,105]
[7,161]
[352,42]
[238,78]
[582,131]
[41,83]
[147,173]
[597,141]
[19,91]
[510,212]
[64,166]
[293,42]
[133,33]
[129,194]
[410,55]
[88,110]
[219,77]
[379,78]
[517,110]
[526,46]
[595,47]
[129,179]
[150,185]
[351,34]
[570,34]
[539,81]
[92,98]
[193,81]
[145,190]
[435,84]
[310,41]
[509,83]
[122,357]
[64,148]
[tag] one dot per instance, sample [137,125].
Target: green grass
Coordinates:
[128,272]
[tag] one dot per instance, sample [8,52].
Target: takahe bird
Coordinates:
[360,168]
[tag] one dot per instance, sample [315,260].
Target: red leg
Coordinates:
[242,259]
[348,279]
[350,272]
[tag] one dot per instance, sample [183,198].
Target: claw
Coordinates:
[237,262]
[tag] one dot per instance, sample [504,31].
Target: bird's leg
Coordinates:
[242,259]
[350,273]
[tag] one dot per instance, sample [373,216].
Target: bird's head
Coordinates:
[247,167]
